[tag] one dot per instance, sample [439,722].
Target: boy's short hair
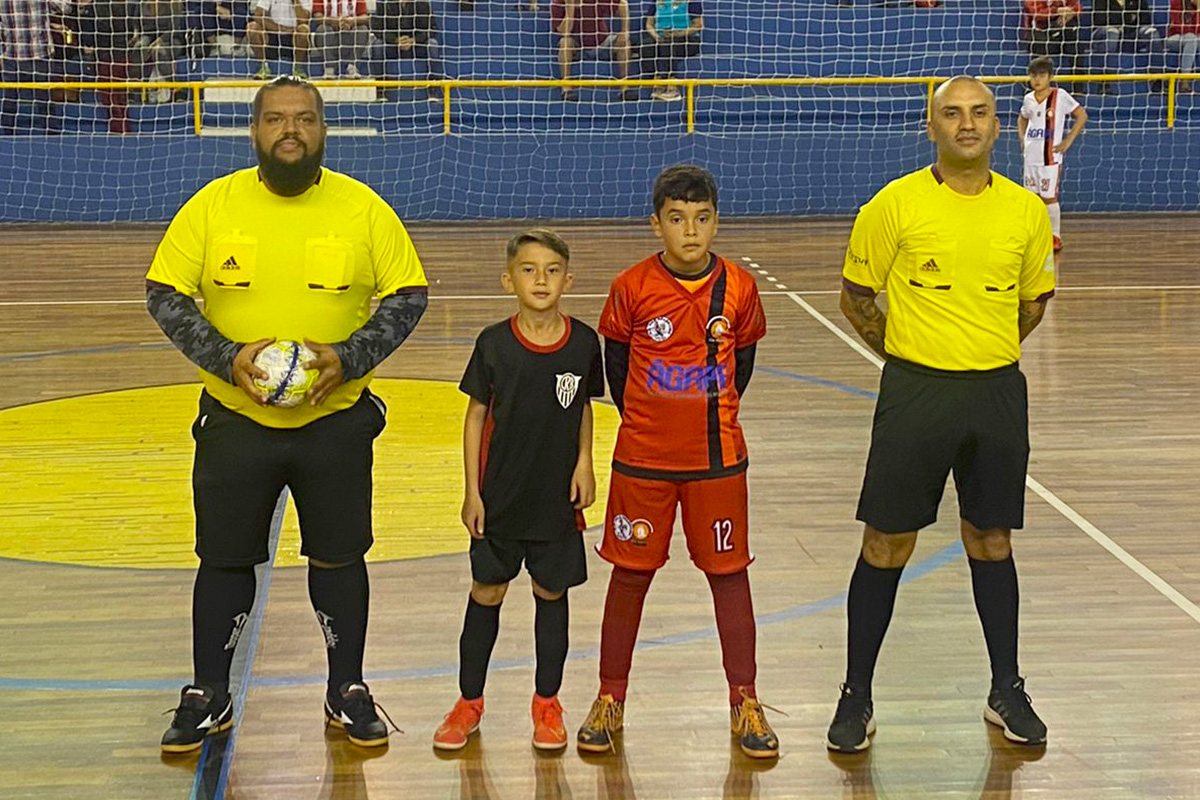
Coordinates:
[1042,65]
[543,236]
[685,182]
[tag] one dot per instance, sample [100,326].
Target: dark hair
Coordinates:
[281,82]
[685,182]
[1042,65]
[543,236]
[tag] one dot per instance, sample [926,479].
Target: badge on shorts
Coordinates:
[660,328]
[567,386]
[622,528]
[640,529]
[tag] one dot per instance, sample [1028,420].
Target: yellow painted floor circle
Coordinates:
[105,479]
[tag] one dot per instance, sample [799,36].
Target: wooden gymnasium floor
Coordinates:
[97,573]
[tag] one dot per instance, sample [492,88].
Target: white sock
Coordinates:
[1055,218]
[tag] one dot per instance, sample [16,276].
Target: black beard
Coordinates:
[289,178]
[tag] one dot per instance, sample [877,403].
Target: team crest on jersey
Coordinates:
[622,528]
[717,328]
[660,328]
[567,386]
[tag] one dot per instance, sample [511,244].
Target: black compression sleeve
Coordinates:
[744,368]
[392,322]
[616,367]
[186,327]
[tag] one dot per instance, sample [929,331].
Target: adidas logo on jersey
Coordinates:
[230,263]
[931,266]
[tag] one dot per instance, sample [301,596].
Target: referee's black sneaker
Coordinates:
[352,708]
[853,722]
[201,713]
[1009,707]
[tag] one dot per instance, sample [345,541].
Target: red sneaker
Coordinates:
[459,724]
[548,730]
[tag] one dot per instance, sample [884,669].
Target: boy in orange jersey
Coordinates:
[680,330]
[527,446]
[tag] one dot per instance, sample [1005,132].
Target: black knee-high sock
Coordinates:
[341,597]
[869,611]
[221,602]
[550,630]
[997,600]
[480,626]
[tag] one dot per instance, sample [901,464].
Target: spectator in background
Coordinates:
[215,24]
[672,33]
[582,28]
[280,24]
[1052,27]
[25,52]
[343,35]
[106,31]
[162,40]
[1183,36]
[408,29]
[1117,24]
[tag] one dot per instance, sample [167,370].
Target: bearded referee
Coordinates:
[966,258]
[284,250]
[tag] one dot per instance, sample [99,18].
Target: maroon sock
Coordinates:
[735,624]
[622,615]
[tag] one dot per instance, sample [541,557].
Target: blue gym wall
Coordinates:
[100,179]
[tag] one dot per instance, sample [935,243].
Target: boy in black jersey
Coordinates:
[527,447]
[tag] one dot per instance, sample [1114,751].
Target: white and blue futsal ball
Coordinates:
[287,380]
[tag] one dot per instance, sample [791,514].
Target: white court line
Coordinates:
[1121,554]
[807,293]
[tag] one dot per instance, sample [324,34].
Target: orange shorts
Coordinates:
[641,517]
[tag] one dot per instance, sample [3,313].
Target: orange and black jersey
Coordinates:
[535,397]
[679,339]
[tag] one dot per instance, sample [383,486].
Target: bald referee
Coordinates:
[966,258]
[286,250]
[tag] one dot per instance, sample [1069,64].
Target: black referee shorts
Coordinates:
[929,422]
[556,565]
[241,467]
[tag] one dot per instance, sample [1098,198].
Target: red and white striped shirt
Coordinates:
[340,8]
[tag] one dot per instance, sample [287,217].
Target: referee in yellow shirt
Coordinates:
[286,250]
[966,258]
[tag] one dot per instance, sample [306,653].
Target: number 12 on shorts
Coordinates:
[723,535]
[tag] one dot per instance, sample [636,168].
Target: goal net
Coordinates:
[450,110]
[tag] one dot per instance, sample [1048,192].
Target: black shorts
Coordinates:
[555,565]
[928,422]
[241,467]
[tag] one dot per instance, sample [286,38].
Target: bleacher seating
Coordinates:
[804,38]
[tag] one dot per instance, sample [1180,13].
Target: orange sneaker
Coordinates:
[459,724]
[548,730]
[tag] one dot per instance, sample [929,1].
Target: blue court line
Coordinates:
[941,558]
[796,612]
[229,742]
[822,382]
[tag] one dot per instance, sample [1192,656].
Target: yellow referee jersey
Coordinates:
[954,267]
[288,268]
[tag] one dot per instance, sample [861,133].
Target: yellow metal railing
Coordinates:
[691,86]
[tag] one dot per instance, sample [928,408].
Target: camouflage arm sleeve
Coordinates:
[186,327]
[388,327]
